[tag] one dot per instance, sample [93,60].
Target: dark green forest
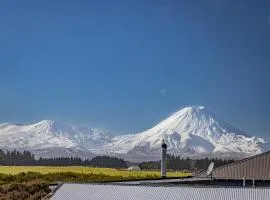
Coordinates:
[178,163]
[26,158]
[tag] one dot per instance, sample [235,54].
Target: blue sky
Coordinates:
[125,65]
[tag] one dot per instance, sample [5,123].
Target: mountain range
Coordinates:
[192,131]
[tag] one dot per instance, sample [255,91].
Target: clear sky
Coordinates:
[125,65]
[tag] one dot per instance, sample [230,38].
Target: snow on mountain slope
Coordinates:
[192,130]
[47,135]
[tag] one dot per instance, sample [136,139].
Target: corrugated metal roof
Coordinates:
[120,192]
[256,167]
[161,181]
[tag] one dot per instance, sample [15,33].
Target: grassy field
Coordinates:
[13,170]
[32,182]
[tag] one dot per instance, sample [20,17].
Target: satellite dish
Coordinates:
[210,168]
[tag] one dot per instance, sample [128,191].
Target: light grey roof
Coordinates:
[160,181]
[121,192]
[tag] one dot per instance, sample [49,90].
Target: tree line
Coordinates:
[178,163]
[26,158]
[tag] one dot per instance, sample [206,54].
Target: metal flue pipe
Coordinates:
[163,160]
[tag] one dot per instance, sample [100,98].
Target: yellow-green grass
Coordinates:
[13,170]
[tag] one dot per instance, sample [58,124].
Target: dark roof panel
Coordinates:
[256,167]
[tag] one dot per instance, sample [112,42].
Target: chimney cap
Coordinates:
[163,145]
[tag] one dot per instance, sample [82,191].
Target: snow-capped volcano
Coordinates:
[50,136]
[192,130]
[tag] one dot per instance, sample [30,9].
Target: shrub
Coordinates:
[30,190]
